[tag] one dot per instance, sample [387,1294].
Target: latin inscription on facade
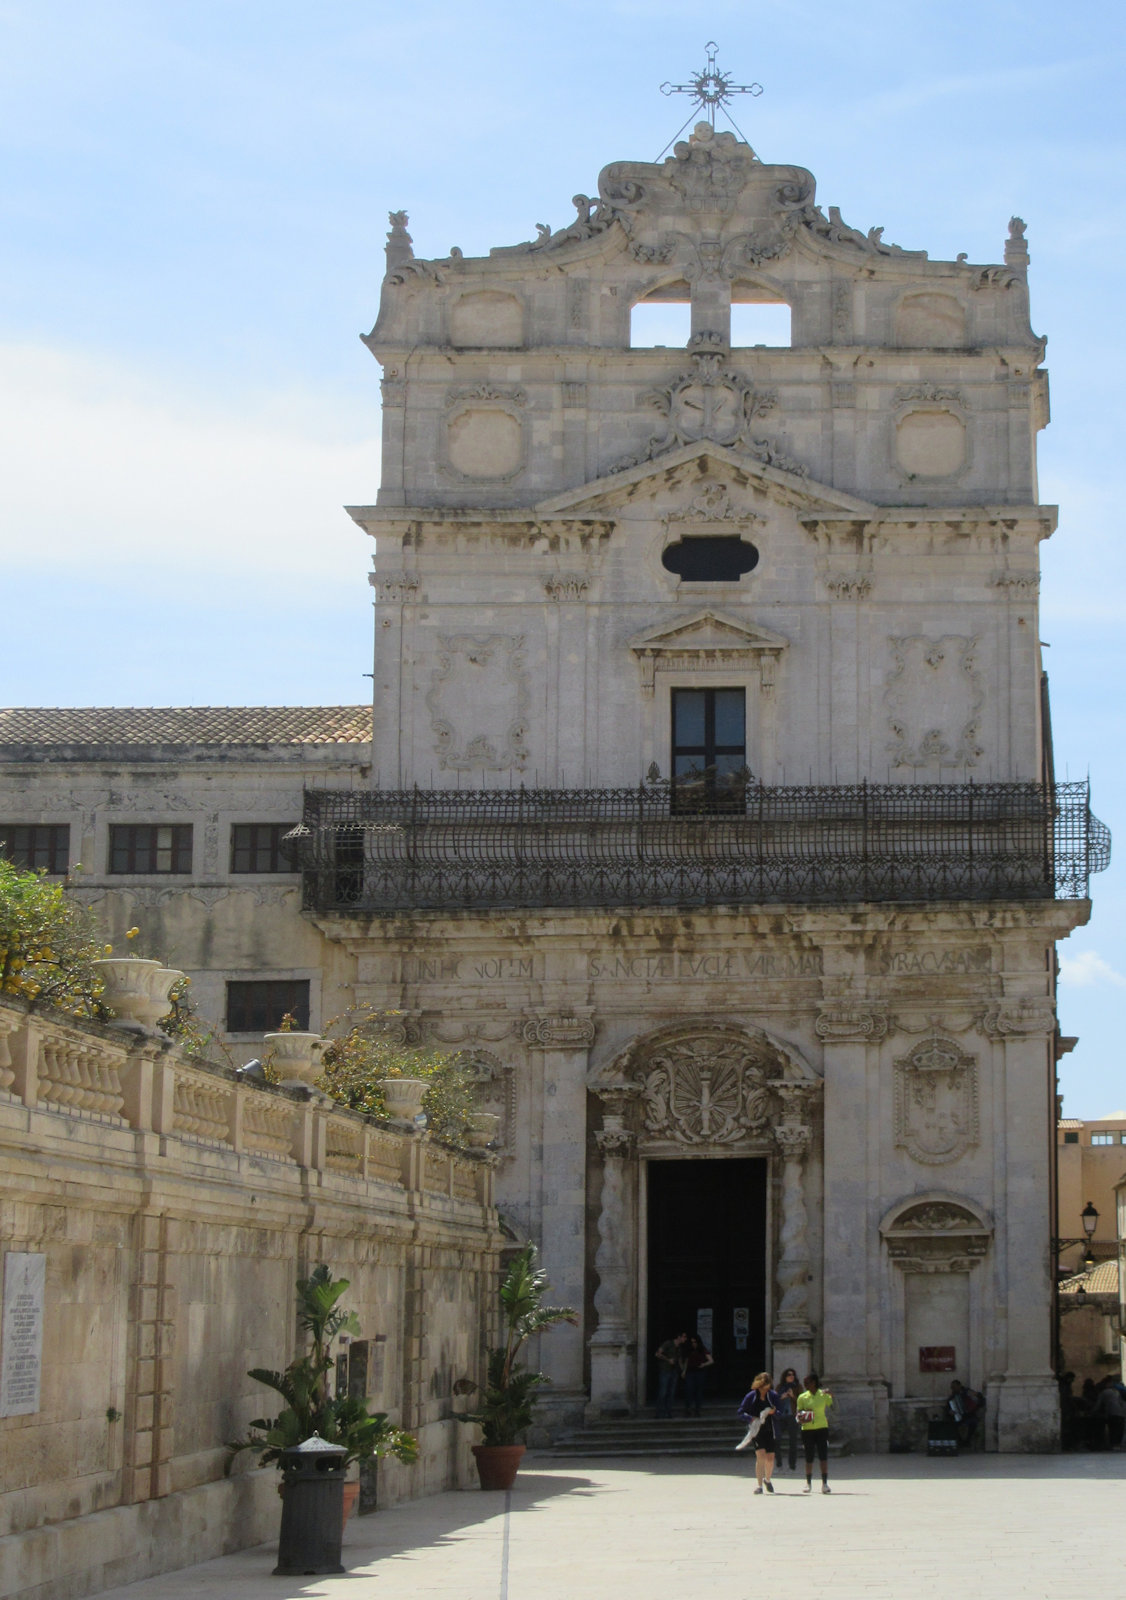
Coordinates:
[21,1355]
[706,967]
[933,963]
[471,969]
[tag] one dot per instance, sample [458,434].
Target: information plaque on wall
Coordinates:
[937,1358]
[21,1333]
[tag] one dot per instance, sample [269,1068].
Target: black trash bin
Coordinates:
[312,1524]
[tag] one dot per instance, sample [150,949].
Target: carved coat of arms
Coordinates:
[936,1101]
[706,1090]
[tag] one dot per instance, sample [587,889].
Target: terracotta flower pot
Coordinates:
[136,989]
[351,1495]
[498,1464]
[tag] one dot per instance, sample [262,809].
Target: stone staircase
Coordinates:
[715,1433]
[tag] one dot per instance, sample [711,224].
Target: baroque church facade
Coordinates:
[705,802]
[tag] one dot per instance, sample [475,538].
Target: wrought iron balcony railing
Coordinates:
[377,852]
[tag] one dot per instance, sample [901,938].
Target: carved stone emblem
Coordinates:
[936,1101]
[705,1090]
[481,684]
[934,696]
[1017,1017]
[706,402]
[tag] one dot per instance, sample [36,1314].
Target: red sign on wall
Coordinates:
[937,1358]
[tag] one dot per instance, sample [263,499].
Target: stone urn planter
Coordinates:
[136,989]
[295,1056]
[498,1464]
[483,1128]
[351,1495]
[403,1097]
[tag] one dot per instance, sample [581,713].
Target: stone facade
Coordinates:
[821,972]
[172,1208]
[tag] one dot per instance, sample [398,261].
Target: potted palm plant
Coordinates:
[508,1397]
[304,1386]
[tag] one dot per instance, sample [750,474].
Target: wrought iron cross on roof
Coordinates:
[712,89]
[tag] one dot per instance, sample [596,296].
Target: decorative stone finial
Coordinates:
[1016,246]
[399,243]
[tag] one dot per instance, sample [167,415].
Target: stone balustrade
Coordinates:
[51,1062]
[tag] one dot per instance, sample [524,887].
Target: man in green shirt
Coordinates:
[813,1407]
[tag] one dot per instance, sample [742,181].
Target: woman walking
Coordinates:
[786,1422]
[759,1407]
[813,1406]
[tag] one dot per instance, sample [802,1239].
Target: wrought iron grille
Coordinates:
[378,852]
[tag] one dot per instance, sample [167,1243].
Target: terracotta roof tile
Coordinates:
[185,725]
[1102,1279]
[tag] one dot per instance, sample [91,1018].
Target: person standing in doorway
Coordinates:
[759,1407]
[786,1422]
[696,1359]
[813,1407]
[668,1371]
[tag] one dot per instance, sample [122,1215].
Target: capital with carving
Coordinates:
[793,1139]
[1016,1018]
[851,1023]
[615,1141]
[560,1031]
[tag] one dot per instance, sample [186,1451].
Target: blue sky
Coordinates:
[194,199]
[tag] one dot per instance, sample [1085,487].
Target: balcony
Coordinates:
[380,853]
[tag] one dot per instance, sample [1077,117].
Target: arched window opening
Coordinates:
[759,322]
[662,320]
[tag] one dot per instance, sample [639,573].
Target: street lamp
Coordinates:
[1089,1217]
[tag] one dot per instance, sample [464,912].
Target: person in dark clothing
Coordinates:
[786,1422]
[695,1358]
[668,1372]
[759,1406]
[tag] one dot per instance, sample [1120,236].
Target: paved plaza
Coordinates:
[901,1527]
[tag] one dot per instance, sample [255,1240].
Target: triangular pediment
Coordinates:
[690,464]
[707,631]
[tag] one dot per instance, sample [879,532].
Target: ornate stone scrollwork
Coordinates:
[851,1022]
[1018,1017]
[495,692]
[567,586]
[495,1090]
[936,1235]
[936,1101]
[934,695]
[560,1032]
[705,1090]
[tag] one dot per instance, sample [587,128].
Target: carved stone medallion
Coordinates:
[936,1101]
[706,1089]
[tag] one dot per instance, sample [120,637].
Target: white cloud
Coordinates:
[108,467]
[1087,970]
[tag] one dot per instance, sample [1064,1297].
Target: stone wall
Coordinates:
[175,1208]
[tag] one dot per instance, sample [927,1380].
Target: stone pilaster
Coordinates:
[613,1344]
[792,1342]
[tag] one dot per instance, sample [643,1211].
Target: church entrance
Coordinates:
[707,1265]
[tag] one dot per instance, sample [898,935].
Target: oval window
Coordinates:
[710,559]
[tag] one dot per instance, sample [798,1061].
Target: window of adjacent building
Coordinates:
[1071,1138]
[1103,1138]
[144,848]
[258,1006]
[257,847]
[709,748]
[42,846]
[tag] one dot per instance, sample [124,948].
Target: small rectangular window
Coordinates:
[41,846]
[1071,1138]
[1103,1138]
[257,847]
[709,749]
[258,1006]
[145,849]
